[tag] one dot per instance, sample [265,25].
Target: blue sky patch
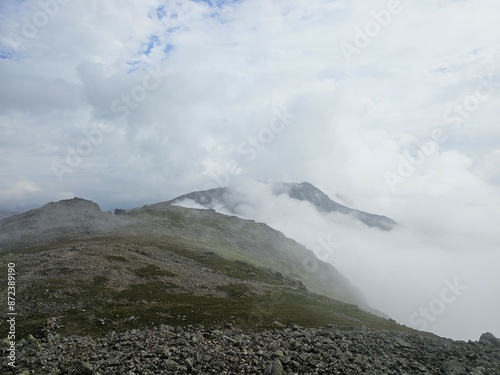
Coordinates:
[440,70]
[133,66]
[161,12]
[6,54]
[168,48]
[153,42]
[218,3]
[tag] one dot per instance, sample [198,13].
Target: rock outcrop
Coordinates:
[55,221]
[489,338]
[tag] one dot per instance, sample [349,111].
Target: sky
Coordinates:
[390,105]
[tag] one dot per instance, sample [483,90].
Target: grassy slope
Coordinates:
[258,244]
[92,298]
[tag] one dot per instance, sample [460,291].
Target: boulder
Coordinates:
[489,337]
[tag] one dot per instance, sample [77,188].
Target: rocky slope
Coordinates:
[231,350]
[6,213]
[231,198]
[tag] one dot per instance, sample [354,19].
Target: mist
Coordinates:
[437,271]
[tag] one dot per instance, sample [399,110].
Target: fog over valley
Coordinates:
[403,271]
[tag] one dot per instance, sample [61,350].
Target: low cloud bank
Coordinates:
[431,273]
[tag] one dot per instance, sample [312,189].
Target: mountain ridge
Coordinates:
[230,237]
[304,191]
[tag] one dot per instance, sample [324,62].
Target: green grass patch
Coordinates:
[175,218]
[153,303]
[100,280]
[115,258]
[235,290]
[233,268]
[55,271]
[154,291]
[152,270]
[150,302]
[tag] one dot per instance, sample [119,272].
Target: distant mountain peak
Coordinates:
[306,191]
[303,191]
[73,204]
[55,220]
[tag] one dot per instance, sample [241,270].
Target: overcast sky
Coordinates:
[131,102]
[390,106]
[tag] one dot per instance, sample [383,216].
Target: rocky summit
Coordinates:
[230,350]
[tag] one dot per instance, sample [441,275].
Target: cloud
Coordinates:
[227,69]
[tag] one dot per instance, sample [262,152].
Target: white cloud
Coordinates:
[488,167]
[226,70]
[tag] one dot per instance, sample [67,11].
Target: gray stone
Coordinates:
[489,337]
[171,364]
[82,368]
[297,351]
[454,367]
[275,368]
[402,342]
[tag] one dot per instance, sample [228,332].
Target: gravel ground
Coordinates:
[229,350]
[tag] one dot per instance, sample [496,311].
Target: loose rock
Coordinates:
[232,350]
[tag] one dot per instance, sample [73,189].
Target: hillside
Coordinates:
[170,265]
[77,250]
[229,237]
